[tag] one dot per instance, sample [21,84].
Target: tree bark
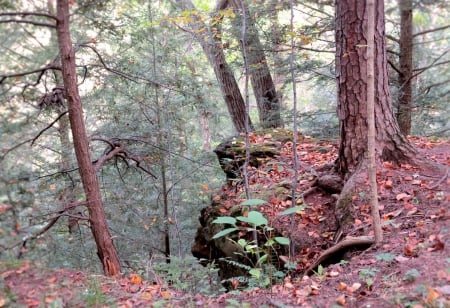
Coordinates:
[406,67]
[266,96]
[351,73]
[99,227]
[211,44]
[372,167]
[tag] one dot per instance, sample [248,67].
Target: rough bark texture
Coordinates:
[105,247]
[351,73]
[212,46]
[406,67]
[266,96]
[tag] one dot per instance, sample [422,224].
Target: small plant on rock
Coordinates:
[259,253]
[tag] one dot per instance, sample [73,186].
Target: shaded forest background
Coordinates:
[149,87]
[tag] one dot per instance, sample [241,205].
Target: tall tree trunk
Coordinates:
[406,67]
[266,96]
[351,40]
[67,195]
[371,166]
[212,47]
[99,227]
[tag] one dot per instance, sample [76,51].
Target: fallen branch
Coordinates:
[440,181]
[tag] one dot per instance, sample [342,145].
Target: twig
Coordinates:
[48,126]
[440,181]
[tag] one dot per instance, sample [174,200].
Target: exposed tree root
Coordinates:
[357,242]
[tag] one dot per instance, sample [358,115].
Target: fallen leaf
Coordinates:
[432,296]
[355,286]
[341,300]
[146,296]
[342,286]
[135,279]
[402,196]
[401,259]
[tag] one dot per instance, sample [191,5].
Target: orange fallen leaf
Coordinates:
[341,300]
[166,294]
[388,184]
[135,279]
[432,296]
[410,250]
[146,296]
[342,286]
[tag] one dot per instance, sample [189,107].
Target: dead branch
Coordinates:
[48,226]
[47,127]
[431,30]
[23,14]
[41,70]
[22,21]
[115,151]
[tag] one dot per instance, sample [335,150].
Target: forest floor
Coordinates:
[410,269]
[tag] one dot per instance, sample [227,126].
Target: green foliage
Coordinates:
[386,257]
[262,272]
[186,274]
[320,273]
[411,275]
[93,296]
[368,275]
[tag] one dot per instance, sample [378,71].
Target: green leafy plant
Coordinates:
[386,257]
[320,273]
[94,296]
[188,275]
[411,275]
[368,275]
[255,222]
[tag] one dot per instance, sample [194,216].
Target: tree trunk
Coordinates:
[266,96]
[99,227]
[351,22]
[371,166]
[406,67]
[211,44]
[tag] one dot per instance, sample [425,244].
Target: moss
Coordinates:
[343,209]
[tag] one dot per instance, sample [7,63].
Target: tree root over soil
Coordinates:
[362,241]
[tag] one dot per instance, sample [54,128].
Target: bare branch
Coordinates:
[420,69]
[35,71]
[431,30]
[429,87]
[29,14]
[47,127]
[48,226]
[115,151]
[23,21]
[392,38]
[394,66]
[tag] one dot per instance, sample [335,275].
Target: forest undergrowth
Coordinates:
[410,269]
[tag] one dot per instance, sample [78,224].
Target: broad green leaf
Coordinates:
[224,232]
[242,242]
[282,240]
[255,272]
[262,259]
[293,210]
[225,220]
[252,202]
[254,218]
